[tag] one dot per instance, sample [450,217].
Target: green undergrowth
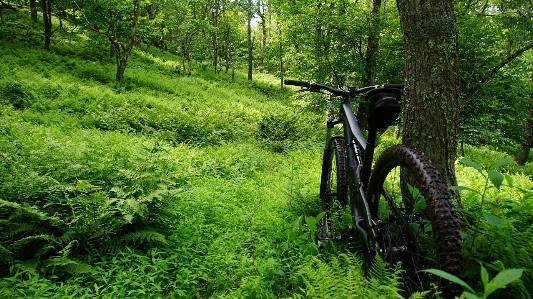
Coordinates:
[164,186]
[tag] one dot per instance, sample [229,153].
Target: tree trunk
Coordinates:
[33,9]
[372,43]
[215,36]
[46,5]
[431,109]
[126,49]
[250,44]
[227,40]
[281,71]
[527,136]
[262,15]
[372,49]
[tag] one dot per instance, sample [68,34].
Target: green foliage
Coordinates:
[499,227]
[342,277]
[500,281]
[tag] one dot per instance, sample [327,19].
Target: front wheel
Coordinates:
[416,225]
[334,184]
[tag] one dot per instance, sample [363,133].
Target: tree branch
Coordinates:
[7,6]
[474,90]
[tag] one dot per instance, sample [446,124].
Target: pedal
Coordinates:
[328,237]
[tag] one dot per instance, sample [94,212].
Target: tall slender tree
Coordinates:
[46,6]
[249,16]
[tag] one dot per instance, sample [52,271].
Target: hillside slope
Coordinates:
[164,186]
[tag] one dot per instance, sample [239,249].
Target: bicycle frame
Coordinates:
[359,153]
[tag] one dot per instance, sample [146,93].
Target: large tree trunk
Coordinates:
[46,5]
[431,81]
[527,136]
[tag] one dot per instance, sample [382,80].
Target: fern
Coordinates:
[343,277]
[66,250]
[145,235]
[20,228]
[78,268]
[418,295]
[385,278]
[64,238]
[59,261]
[27,240]
[5,254]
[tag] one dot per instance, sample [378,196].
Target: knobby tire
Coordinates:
[419,239]
[334,183]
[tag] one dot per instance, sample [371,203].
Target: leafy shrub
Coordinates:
[53,198]
[499,229]
[16,94]
[92,71]
[279,131]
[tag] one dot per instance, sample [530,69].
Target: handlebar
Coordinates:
[350,92]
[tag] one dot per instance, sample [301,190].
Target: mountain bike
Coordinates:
[399,207]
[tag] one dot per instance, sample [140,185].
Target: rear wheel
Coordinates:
[334,185]
[415,222]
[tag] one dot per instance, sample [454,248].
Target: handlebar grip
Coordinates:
[298,83]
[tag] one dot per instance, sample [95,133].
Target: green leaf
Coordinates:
[500,162]
[488,202]
[449,277]
[495,220]
[496,178]
[509,180]
[461,188]
[507,276]
[469,295]
[490,288]
[420,205]
[319,216]
[311,222]
[472,164]
[484,276]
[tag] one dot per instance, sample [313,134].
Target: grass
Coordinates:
[164,186]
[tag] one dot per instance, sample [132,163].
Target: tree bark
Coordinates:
[527,136]
[227,41]
[46,5]
[250,44]
[126,49]
[431,109]
[262,15]
[215,35]
[372,43]
[372,49]
[33,9]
